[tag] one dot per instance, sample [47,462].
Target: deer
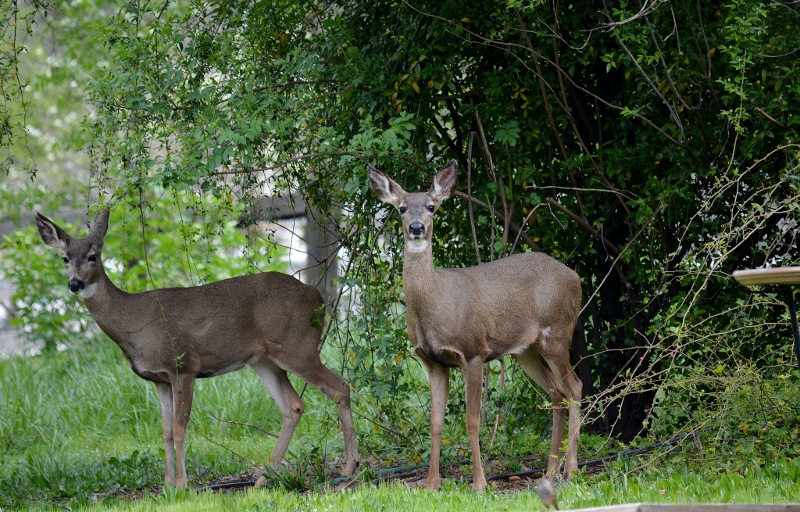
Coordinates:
[525,305]
[173,336]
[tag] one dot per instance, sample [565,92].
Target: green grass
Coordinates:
[81,422]
[79,427]
[777,483]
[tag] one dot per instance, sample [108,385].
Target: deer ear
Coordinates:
[445,181]
[51,234]
[100,227]
[385,187]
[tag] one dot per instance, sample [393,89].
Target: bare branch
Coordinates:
[285,162]
[770,118]
[586,226]
[248,425]
[513,226]
[646,9]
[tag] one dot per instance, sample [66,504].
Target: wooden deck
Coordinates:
[722,507]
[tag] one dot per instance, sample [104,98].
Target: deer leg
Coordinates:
[473,377]
[182,395]
[439,377]
[566,397]
[540,371]
[559,419]
[288,401]
[310,369]
[574,399]
[339,391]
[167,415]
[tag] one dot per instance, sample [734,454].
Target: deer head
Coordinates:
[416,209]
[82,256]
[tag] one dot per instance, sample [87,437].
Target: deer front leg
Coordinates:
[167,414]
[473,378]
[439,377]
[182,395]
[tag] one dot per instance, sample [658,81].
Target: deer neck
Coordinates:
[102,298]
[418,272]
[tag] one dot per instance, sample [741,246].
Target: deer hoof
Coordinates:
[481,488]
[433,485]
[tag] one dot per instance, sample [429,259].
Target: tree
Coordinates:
[651,147]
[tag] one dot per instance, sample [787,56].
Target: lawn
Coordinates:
[79,430]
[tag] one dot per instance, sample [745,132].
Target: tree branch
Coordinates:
[445,97]
[513,226]
[770,118]
[586,226]
[284,163]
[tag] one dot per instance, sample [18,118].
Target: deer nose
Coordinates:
[75,285]
[416,228]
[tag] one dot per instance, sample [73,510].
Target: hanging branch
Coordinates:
[469,195]
[549,111]
[505,47]
[495,177]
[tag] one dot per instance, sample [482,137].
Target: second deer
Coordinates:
[524,305]
[270,321]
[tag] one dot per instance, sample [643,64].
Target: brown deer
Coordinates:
[172,336]
[524,305]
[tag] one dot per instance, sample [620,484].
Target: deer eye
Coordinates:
[402,209]
[66,260]
[431,208]
[92,258]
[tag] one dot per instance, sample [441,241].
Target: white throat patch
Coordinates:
[88,291]
[415,246]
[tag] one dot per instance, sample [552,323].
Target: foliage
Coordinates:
[740,417]
[137,257]
[652,149]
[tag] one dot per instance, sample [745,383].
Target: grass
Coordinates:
[775,484]
[80,421]
[78,427]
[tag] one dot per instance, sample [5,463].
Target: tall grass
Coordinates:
[81,421]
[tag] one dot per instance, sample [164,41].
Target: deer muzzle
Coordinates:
[416,229]
[76,285]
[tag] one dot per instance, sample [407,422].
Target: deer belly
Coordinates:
[443,356]
[149,375]
[206,372]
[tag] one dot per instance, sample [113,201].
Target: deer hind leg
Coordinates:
[167,418]
[569,388]
[558,379]
[289,403]
[182,396]
[309,368]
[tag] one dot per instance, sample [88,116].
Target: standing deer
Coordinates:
[524,305]
[172,336]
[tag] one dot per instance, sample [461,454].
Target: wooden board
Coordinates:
[688,507]
[776,275]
